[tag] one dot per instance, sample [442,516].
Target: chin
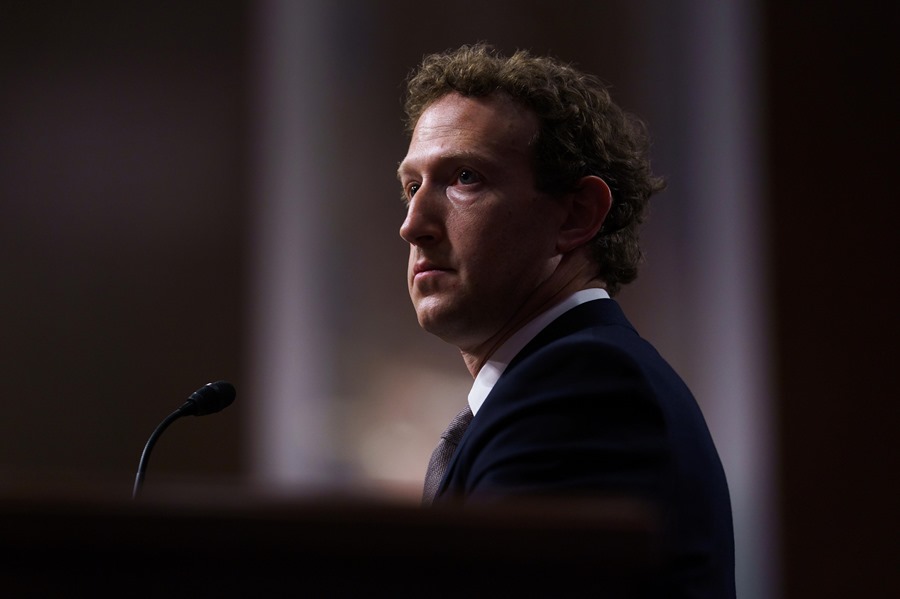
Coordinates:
[436,322]
[430,324]
[457,331]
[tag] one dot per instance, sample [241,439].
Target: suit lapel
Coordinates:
[601,312]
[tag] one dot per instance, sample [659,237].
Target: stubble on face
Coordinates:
[481,236]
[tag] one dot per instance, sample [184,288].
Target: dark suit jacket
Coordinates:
[589,407]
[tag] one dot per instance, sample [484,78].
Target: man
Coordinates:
[525,187]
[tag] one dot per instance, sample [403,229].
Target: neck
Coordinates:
[476,357]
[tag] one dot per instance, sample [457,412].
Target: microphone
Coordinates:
[208,399]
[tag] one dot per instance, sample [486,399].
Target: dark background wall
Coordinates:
[832,129]
[122,187]
[124,133]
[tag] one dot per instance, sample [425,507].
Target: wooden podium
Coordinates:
[321,547]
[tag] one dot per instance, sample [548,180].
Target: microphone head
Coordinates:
[209,399]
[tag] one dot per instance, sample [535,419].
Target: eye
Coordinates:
[411,190]
[467,177]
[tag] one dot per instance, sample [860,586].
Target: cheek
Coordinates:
[503,238]
[528,233]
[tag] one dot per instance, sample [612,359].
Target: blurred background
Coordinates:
[205,190]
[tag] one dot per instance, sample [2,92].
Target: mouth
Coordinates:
[425,268]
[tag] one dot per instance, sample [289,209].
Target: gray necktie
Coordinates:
[440,457]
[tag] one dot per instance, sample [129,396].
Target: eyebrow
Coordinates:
[474,156]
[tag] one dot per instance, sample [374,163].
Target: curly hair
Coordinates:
[582,132]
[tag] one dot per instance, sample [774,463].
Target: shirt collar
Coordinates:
[490,373]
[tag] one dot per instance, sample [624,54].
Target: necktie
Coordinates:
[440,457]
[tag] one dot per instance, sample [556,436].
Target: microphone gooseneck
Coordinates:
[209,399]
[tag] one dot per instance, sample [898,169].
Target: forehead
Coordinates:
[461,125]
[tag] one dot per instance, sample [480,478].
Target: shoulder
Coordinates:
[595,377]
[570,415]
[590,350]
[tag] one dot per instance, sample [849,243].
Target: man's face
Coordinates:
[482,238]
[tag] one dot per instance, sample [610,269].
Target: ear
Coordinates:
[587,208]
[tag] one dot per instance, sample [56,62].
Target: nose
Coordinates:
[423,224]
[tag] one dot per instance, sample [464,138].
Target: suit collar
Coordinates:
[600,312]
[589,314]
[493,369]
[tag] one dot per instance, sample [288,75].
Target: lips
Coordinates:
[424,268]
